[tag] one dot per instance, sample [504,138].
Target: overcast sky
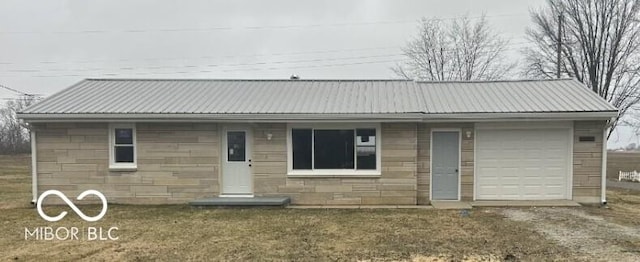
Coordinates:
[46,46]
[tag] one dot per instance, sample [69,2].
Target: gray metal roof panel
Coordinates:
[204,96]
[565,95]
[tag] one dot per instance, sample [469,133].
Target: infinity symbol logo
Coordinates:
[73,206]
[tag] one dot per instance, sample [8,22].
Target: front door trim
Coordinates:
[433,130]
[224,158]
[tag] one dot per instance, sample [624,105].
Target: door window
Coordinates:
[236,143]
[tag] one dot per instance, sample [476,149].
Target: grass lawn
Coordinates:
[184,233]
[625,207]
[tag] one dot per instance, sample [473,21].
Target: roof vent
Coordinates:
[294,77]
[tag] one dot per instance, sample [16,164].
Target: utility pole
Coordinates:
[558,61]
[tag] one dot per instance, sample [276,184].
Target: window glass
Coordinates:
[301,140]
[316,149]
[236,146]
[333,149]
[124,154]
[124,136]
[366,148]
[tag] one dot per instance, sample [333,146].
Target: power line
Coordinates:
[317,66]
[236,69]
[212,71]
[16,91]
[213,57]
[221,57]
[132,68]
[275,27]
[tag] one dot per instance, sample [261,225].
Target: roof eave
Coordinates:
[471,117]
[398,117]
[390,117]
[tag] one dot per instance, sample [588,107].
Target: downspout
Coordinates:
[34,164]
[603,185]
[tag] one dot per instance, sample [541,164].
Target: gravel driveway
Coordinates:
[587,235]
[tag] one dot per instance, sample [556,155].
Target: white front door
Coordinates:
[236,162]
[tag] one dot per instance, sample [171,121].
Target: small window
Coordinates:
[332,151]
[122,149]
[124,145]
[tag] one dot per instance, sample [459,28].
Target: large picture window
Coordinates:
[334,150]
[122,148]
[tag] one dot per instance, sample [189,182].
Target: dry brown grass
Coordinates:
[623,207]
[185,233]
[181,232]
[15,181]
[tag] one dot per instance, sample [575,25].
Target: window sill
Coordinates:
[127,168]
[336,174]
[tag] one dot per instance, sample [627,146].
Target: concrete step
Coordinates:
[241,201]
[448,204]
[525,203]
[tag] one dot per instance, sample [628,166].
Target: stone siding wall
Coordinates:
[176,162]
[180,162]
[587,161]
[396,185]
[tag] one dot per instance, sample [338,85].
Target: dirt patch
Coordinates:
[623,207]
[444,258]
[592,236]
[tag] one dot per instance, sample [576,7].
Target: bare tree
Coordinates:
[14,134]
[600,47]
[460,50]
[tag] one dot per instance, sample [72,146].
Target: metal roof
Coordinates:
[209,98]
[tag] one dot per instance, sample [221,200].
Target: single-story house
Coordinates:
[322,142]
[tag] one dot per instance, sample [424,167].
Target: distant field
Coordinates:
[622,161]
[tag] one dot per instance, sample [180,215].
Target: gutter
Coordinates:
[516,116]
[335,117]
[34,167]
[603,184]
[137,117]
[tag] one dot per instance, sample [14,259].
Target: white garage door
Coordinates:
[522,164]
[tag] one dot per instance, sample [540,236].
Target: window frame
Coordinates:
[334,172]
[113,165]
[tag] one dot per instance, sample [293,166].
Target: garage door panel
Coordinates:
[522,164]
[554,180]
